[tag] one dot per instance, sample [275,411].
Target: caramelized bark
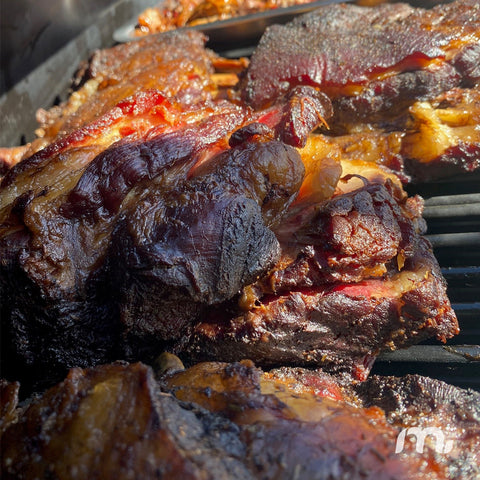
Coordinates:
[370,61]
[199,242]
[218,420]
[350,237]
[176,64]
[113,422]
[56,234]
[442,135]
[341,326]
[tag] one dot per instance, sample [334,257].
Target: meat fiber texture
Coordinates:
[235,421]
[180,218]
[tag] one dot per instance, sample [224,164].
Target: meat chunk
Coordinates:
[351,237]
[176,64]
[424,403]
[371,61]
[436,138]
[217,420]
[96,203]
[403,81]
[180,218]
[195,244]
[326,305]
[174,14]
[442,135]
[74,431]
[59,209]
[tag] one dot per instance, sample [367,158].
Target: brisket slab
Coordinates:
[178,218]
[217,420]
[330,306]
[84,220]
[371,61]
[179,249]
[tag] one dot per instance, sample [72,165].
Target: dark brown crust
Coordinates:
[74,432]
[340,327]
[424,402]
[341,46]
[233,421]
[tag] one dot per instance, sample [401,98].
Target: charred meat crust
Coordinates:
[341,326]
[218,420]
[125,233]
[198,243]
[344,48]
[150,441]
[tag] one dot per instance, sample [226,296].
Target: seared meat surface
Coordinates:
[369,60]
[260,224]
[219,420]
[403,81]
[197,244]
[341,326]
[121,232]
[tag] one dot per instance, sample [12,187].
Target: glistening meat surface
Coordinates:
[403,81]
[218,420]
[98,201]
[369,60]
[307,320]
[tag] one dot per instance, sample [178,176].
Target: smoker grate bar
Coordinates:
[453,199]
[466,184]
[466,354]
[461,273]
[467,310]
[461,239]
[452,210]
[468,315]
[464,288]
[456,365]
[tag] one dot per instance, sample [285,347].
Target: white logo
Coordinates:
[441,446]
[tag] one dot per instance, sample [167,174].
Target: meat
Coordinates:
[219,420]
[73,214]
[341,326]
[369,60]
[164,208]
[398,77]
[197,244]
[177,65]
[173,14]
[435,139]
[54,252]
[170,214]
[78,434]
[419,401]
[442,135]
